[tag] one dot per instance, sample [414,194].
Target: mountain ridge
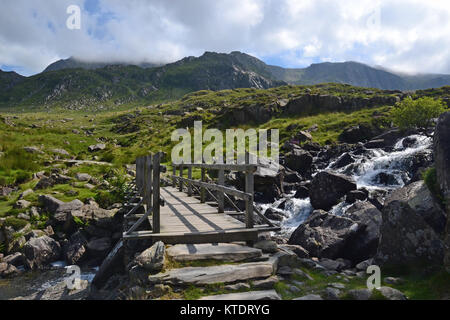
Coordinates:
[75,84]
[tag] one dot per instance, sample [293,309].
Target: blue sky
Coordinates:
[404,35]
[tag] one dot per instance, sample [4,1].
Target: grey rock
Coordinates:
[301,274]
[393,280]
[406,238]
[83,177]
[237,286]
[15,259]
[337,285]
[26,193]
[41,251]
[152,259]
[22,204]
[243,296]
[332,294]
[264,284]
[325,235]
[391,293]
[60,151]
[35,150]
[96,147]
[309,297]
[327,188]
[442,159]
[360,294]
[267,246]
[215,274]
[220,251]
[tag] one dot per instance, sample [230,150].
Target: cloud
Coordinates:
[406,35]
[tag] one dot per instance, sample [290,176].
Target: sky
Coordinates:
[409,36]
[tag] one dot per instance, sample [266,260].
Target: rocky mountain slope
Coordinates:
[74,84]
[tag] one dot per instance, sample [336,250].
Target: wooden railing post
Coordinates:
[202,189]
[248,189]
[174,173]
[156,193]
[148,178]
[189,185]
[220,194]
[180,187]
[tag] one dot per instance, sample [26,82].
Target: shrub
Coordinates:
[22,177]
[430,178]
[15,223]
[409,113]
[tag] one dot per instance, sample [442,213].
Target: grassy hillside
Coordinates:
[136,131]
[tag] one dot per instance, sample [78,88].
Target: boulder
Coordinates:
[22,204]
[152,259]
[52,205]
[419,198]
[303,136]
[325,235]
[26,193]
[96,147]
[343,161]
[41,251]
[299,160]
[60,151]
[442,163]
[363,245]
[358,133]
[8,270]
[15,259]
[405,237]
[327,188]
[267,246]
[75,252]
[301,193]
[83,177]
[391,293]
[354,195]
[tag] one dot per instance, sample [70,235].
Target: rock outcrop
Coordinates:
[442,162]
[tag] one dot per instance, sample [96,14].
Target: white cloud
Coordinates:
[406,35]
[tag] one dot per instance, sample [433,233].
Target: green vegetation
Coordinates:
[419,113]
[430,178]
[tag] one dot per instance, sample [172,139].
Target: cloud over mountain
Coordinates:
[404,35]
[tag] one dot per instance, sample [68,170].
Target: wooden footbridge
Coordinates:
[178,212]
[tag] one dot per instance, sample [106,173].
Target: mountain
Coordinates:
[74,63]
[91,84]
[76,84]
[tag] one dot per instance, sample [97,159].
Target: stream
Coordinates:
[376,170]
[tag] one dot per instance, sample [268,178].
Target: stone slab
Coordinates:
[250,295]
[221,251]
[228,273]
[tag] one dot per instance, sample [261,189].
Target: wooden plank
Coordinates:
[218,166]
[197,237]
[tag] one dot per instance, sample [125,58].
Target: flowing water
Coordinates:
[35,282]
[375,170]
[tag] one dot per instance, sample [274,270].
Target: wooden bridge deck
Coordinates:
[184,219]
